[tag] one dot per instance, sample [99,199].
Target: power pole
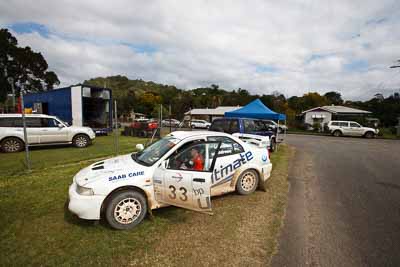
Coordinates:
[27,158]
[170,124]
[116,128]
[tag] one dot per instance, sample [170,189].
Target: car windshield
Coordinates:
[155,151]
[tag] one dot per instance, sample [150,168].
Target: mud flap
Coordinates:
[150,213]
[266,173]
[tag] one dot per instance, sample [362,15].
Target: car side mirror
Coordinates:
[60,125]
[140,147]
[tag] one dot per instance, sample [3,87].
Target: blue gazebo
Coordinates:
[256,110]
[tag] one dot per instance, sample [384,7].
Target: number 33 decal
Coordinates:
[182,190]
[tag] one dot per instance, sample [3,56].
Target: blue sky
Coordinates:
[344,45]
[29,27]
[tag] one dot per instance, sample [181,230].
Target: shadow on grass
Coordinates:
[168,214]
[50,147]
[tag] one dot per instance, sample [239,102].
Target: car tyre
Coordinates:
[126,209]
[81,141]
[369,135]
[247,182]
[12,144]
[193,126]
[337,133]
[273,145]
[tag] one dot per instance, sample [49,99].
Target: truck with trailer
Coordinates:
[78,105]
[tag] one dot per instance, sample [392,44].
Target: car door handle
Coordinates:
[199,180]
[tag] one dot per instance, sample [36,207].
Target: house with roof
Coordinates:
[325,114]
[209,113]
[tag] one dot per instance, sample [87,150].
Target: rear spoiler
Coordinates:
[257,140]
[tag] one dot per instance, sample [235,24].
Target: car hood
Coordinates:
[371,129]
[107,168]
[80,128]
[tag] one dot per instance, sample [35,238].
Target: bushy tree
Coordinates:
[334,98]
[24,66]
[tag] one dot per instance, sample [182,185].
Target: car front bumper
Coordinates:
[85,207]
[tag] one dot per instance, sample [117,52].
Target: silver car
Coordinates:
[351,128]
[41,130]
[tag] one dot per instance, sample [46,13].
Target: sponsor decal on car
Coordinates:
[223,174]
[178,177]
[125,175]
[264,158]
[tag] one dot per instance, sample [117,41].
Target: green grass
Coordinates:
[36,228]
[386,133]
[45,157]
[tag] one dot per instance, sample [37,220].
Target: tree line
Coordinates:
[146,96]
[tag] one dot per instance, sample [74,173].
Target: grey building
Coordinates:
[208,114]
[325,114]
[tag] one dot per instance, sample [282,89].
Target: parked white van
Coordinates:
[41,130]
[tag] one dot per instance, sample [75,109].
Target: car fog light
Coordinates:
[84,191]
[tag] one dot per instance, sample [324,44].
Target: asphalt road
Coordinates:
[344,203]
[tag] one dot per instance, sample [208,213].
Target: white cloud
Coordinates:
[306,44]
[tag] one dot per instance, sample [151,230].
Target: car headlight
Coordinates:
[85,191]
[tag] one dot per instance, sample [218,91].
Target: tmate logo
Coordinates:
[218,174]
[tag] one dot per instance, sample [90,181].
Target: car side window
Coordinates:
[7,122]
[33,122]
[234,127]
[343,124]
[218,126]
[195,157]
[335,123]
[260,126]
[46,122]
[18,122]
[249,126]
[355,125]
[228,146]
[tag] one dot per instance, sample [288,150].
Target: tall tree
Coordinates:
[334,98]
[313,99]
[24,66]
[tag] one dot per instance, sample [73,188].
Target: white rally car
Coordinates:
[183,169]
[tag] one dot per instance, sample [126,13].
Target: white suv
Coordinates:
[200,124]
[351,128]
[41,130]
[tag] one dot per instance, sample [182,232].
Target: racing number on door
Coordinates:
[182,190]
[173,190]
